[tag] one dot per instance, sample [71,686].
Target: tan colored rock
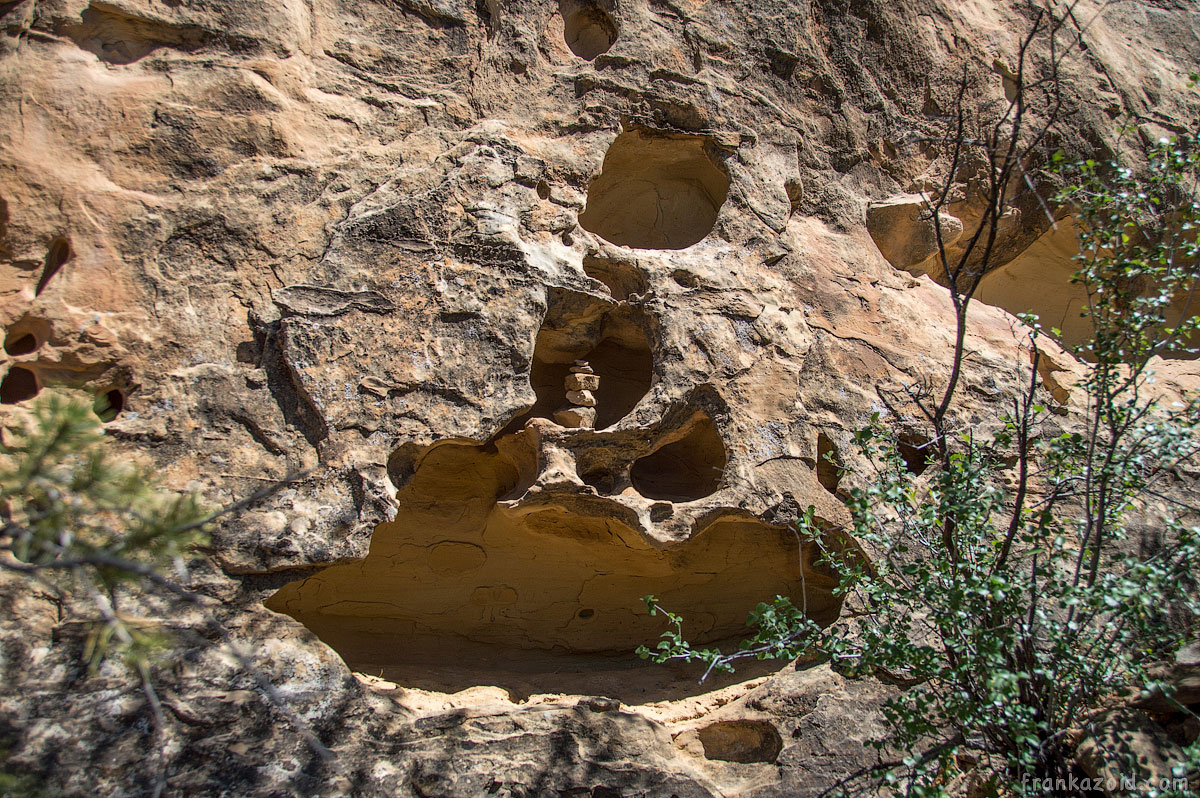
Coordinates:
[582,382]
[1123,736]
[904,230]
[578,417]
[581,398]
[377,244]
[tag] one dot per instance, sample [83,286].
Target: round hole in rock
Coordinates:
[656,191]
[687,469]
[743,741]
[585,613]
[914,449]
[18,385]
[588,28]
[109,404]
[16,343]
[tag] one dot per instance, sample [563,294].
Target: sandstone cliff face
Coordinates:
[368,241]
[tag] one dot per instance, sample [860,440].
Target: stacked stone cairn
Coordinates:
[580,410]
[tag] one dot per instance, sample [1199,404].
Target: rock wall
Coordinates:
[367,242]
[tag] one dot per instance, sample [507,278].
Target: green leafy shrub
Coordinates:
[1025,585]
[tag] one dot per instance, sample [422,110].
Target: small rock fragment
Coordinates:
[581,398]
[576,417]
[583,382]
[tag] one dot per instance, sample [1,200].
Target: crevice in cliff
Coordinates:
[58,254]
[589,27]
[656,191]
[298,410]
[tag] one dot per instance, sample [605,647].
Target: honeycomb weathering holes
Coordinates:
[588,27]
[460,590]
[656,191]
[471,584]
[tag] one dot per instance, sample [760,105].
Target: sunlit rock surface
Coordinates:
[366,242]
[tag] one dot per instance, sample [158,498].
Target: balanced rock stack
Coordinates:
[580,384]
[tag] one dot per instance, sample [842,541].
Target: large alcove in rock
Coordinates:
[588,27]
[656,190]
[1039,280]
[460,591]
[613,339]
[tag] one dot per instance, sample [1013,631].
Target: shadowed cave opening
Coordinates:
[656,191]
[683,470]
[109,404]
[460,591]
[16,343]
[915,451]
[588,27]
[18,385]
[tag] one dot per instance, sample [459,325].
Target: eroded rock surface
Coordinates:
[366,242]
